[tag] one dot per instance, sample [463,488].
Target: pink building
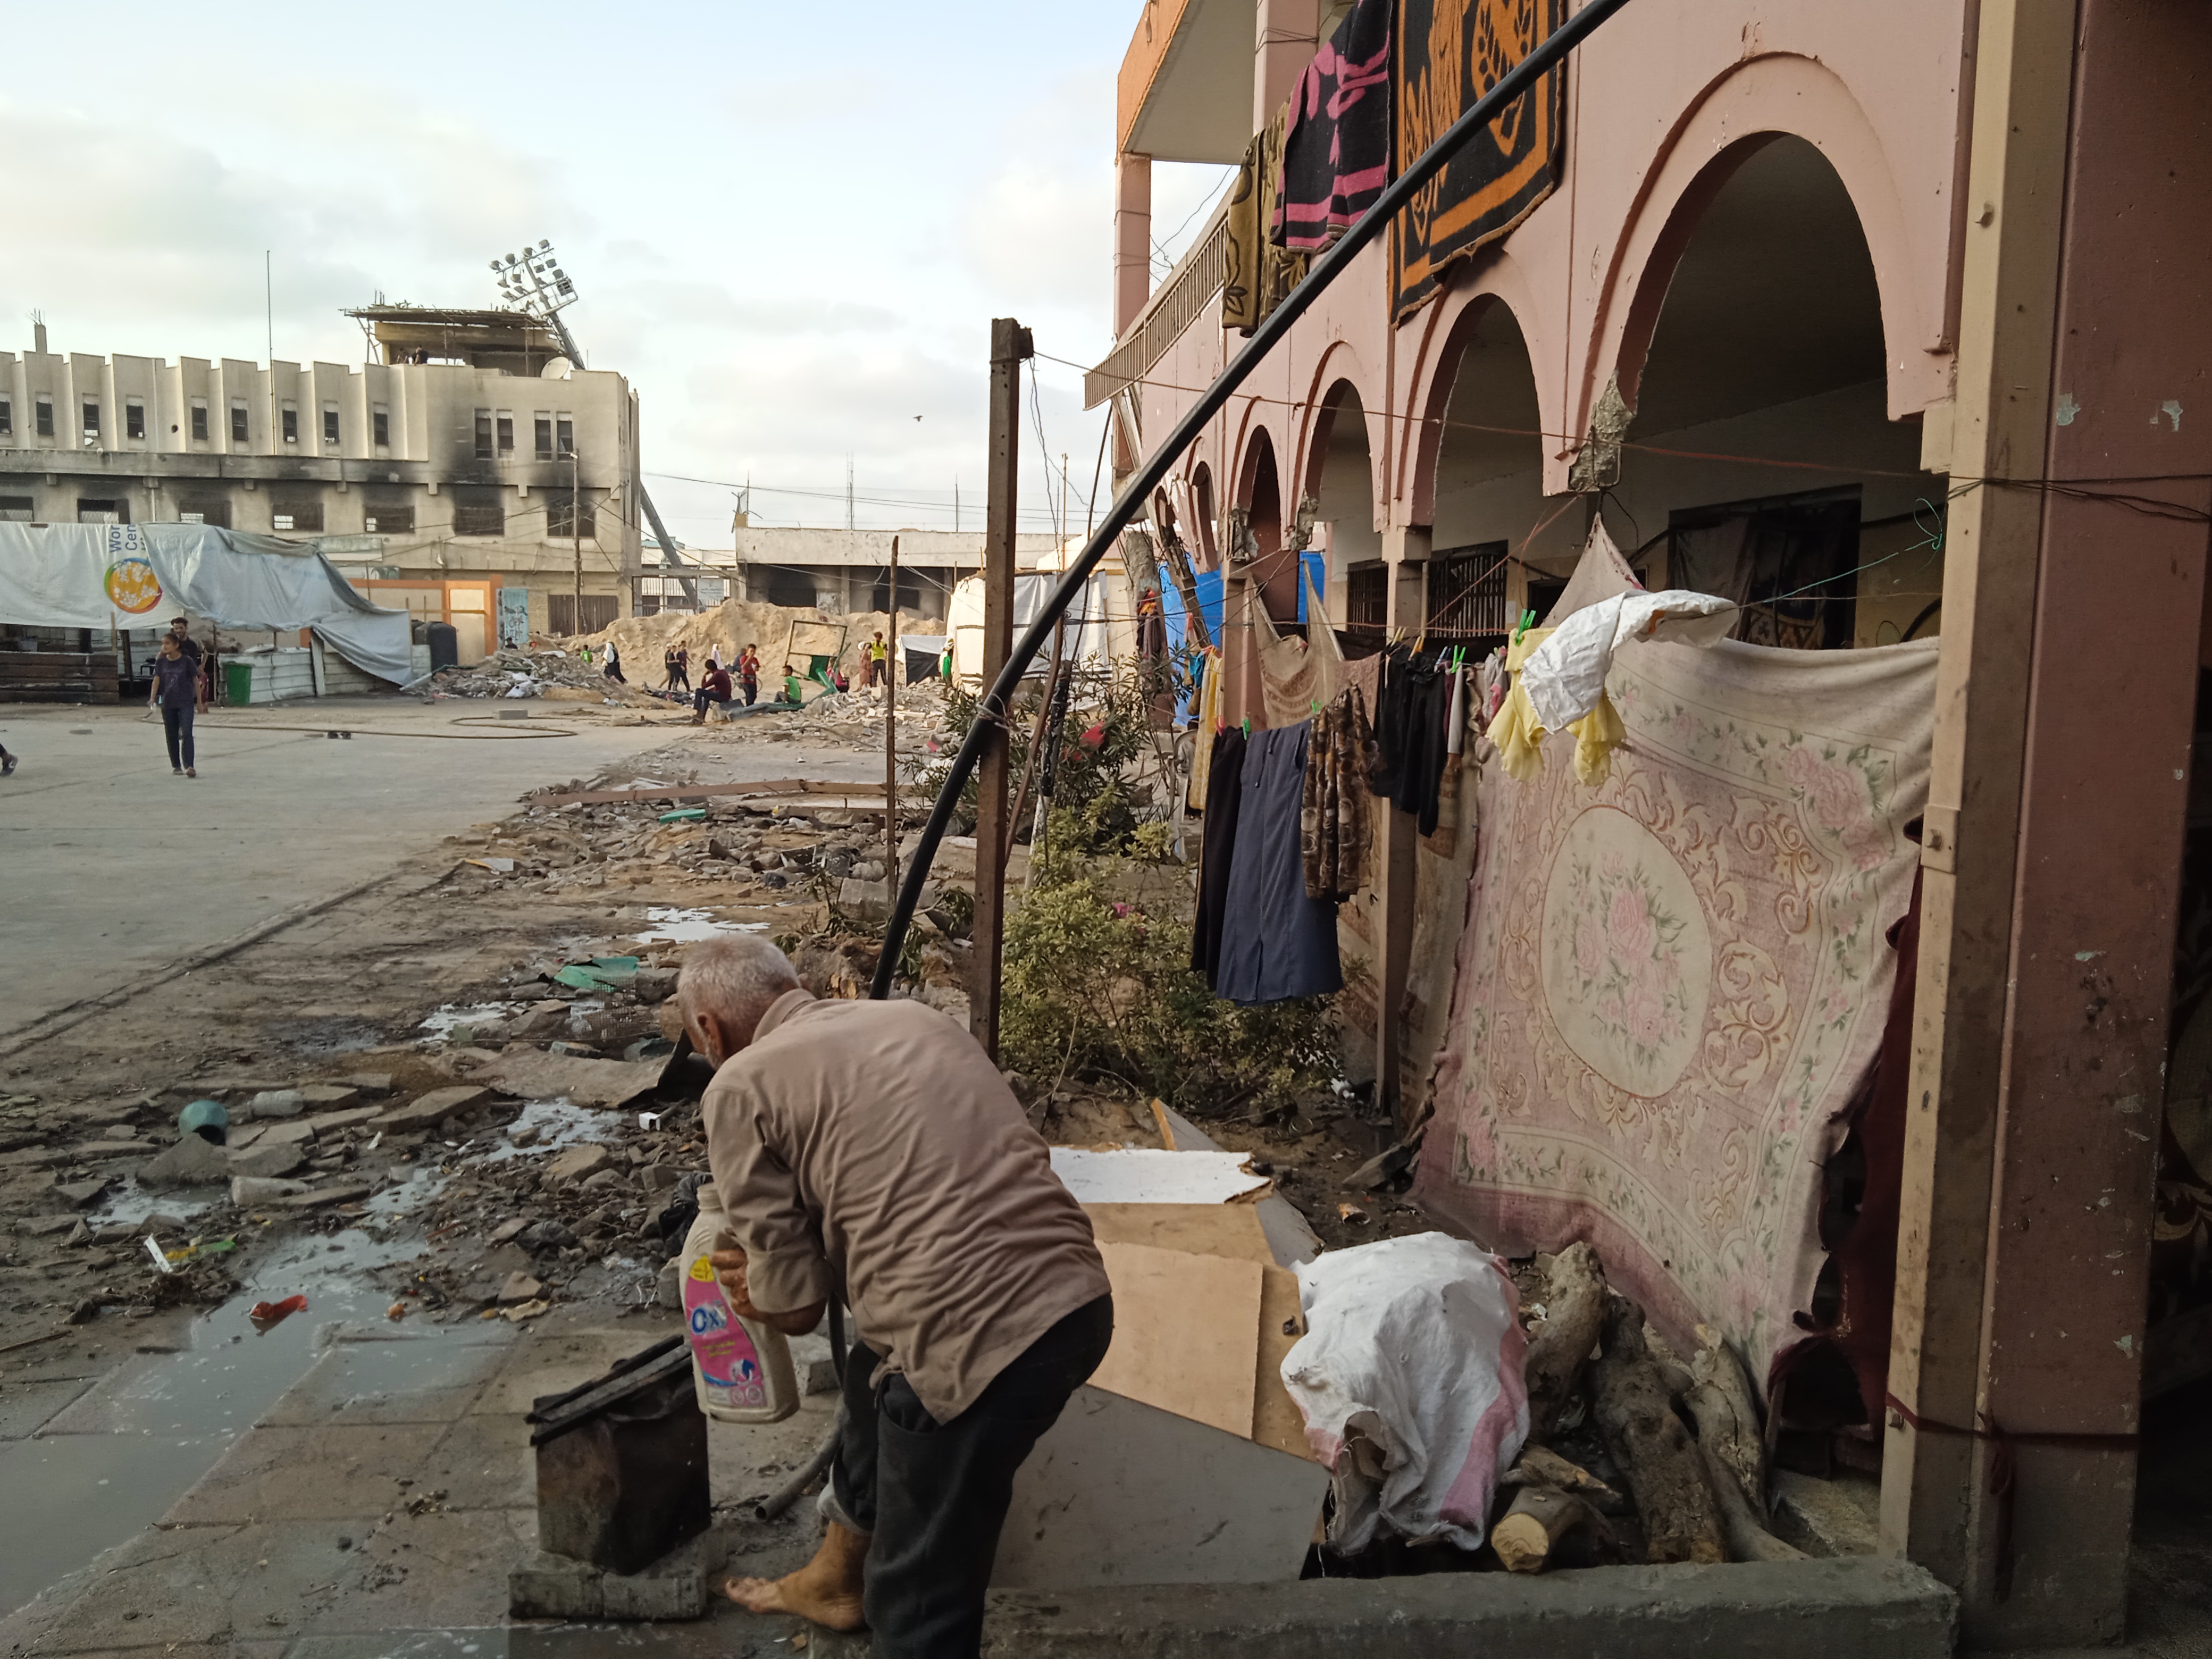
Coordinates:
[1835,284]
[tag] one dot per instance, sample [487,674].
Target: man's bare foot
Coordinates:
[826,1591]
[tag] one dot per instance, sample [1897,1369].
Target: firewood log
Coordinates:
[1665,1470]
[1574,1314]
[1539,1522]
[1540,1467]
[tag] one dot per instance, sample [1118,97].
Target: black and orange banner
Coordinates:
[1450,53]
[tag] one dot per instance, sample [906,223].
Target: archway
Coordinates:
[1272,570]
[1488,490]
[1341,470]
[1769,470]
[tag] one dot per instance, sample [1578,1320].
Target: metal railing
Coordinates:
[1190,287]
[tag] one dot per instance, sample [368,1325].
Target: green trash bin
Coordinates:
[238,678]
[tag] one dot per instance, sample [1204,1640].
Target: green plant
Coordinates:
[1097,990]
[1108,727]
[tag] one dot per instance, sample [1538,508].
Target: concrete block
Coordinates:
[1758,1610]
[328,1096]
[428,1111]
[675,1587]
[271,1158]
[191,1163]
[1842,1517]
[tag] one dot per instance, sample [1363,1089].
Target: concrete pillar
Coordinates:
[1406,552]
[1132,238]
[2055,821]
[1287,35]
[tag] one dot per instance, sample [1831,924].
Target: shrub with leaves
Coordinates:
[1107,727]
[1096,990]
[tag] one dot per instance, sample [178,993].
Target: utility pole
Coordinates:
[849,492]
[891,736]
[1011,347]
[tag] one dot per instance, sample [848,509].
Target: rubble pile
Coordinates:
[733,854]
[735,623]
[854,720]
[540,671]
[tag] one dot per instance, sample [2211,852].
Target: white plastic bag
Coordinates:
[1565,675]
[1409,1379]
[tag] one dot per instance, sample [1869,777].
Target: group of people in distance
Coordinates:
[714,685]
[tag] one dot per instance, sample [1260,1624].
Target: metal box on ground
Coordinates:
[621,1463]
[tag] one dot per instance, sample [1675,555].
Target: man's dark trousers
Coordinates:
[935,1494]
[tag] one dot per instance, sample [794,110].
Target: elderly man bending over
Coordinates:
[870,1150]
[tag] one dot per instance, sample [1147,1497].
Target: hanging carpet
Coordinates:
[1670,987]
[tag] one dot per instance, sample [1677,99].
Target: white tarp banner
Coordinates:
[129,575]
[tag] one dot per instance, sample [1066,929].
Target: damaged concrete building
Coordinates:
[1806,306]
[432,477]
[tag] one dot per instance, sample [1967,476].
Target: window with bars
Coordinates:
[479,521]
[560,516]
[204,509]
[390,521]
[561,613]
[1466,592]
[1367,600]
[304,517]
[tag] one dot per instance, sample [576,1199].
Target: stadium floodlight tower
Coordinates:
[532,283]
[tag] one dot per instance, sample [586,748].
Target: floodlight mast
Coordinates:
[532,283]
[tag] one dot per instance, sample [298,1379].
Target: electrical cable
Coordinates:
[992,709]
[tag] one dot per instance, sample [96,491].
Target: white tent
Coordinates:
[129,575]
[1102,620]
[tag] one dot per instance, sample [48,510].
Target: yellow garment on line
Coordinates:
[1597,734]
[1520,738]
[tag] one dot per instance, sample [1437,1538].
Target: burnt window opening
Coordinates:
[561,517]
[506,434]
[204,509]
[1786,560]
[381,427]
[474,520]
[483,434]
[303,517]
[544,434]
[390,521]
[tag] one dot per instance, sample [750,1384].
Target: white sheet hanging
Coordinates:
[128,575]
[1565,675]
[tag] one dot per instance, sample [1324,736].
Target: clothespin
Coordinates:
[1316,704]
[1527,621]
[1248,726]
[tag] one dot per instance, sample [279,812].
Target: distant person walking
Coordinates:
[683,668]
[749,673]
[879,656]
[203,665]
[668,667]
[613,670]
[176,690]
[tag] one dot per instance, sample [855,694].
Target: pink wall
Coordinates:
[1660,105]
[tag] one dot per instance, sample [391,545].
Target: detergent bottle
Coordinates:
[741,1369]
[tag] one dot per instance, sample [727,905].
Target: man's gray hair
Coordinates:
[735,978]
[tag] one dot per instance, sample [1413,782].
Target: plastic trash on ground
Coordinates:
[265,1315]
[1409,1379]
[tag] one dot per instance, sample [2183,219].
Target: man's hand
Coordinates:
[729,1267]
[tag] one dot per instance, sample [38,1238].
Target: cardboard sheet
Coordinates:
[1225,1229]
[1147,1174]
[1185,1332]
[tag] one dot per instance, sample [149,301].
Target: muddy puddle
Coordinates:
[676,926]
[115,1458]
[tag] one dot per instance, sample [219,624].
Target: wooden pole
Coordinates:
[1011,347]
[576,530]
[890,734]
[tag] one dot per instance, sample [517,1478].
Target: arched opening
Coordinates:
[1205,535]
[1273,571]
[1489,493]
[1767,350]
[1342,472]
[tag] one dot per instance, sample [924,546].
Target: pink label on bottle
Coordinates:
[724,1353]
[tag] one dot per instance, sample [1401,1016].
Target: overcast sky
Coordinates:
[790,225]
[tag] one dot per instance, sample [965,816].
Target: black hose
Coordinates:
[991,711]
[809,1472]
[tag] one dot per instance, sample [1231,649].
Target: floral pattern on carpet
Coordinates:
[1669,986]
